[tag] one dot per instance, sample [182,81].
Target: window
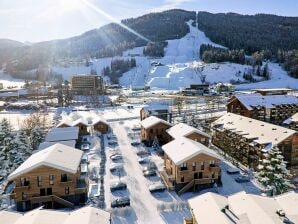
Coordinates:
[202,165]
[213,175]
[39,181]
[203,139]
[212,163]
[51,179]
[24,182]
[183,166]
[67,190]
[193,166]
[151,131]
[182,179]
[64,177]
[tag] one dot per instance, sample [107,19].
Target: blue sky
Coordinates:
[39,20]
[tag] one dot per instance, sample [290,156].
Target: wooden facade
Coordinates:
[203,139]
[197,173]
[50,187]
[158,130]
[274,115]
[83,128]
[102,127]
[248,153]
[160,113]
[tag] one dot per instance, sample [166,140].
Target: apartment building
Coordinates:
[87,84]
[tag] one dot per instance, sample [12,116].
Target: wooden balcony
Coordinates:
[51,198]
[167,179]
[188,221]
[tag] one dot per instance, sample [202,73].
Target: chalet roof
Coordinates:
[151,121]
[258,131]
[182,149]
[62,134]
[44,145]
[291,119]
[253,100]
[86,215]
[182,130]
[207,208]
[98,120]
[58,156]
[87,122]
[244,208]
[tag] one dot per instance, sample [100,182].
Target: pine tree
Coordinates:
[155,144]
[35,138]
[273,172]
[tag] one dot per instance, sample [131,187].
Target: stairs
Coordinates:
[187,187]
[52,198]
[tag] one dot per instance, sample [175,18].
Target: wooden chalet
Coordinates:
[80,123]
[156,109]
[189,165]
[246,139]
[270,108]
[50,178]
[153,127]
[184,130]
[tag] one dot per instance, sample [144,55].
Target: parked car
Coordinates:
[85,147]
[233,171]
[116,157]
[242,179]
[118,186]
[112,143]
[111,137]
[149,173]
[135,143]
[144,160]
[120,202]
[116,167]
[150,166]
[157,187]
[143,153]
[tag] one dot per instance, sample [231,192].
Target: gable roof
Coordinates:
[151,121]
[44,145]
[182,149]
[58,156]
[62,134]
[260,132]
[252,100]
[72,123]
[182,130]
[86,215]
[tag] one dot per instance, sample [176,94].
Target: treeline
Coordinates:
[263,36]
[155,49]
[259,71]
[211,54]
[117,68]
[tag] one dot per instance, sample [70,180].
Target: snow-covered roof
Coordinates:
[97,120]
[44,145]
[253,100]
[182,149]
[260,132]
[58,156]
[182,130]
[272,89]
[244,208]
[88,122]
[62,134]
[207,208]
[151,121]
[86,215]
[291,119]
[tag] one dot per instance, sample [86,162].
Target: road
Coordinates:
[141,200]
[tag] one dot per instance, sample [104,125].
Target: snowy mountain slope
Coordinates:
[181,56]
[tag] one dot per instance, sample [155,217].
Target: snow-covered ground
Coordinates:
[8,81]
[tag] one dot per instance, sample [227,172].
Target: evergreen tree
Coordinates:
[273,172]
[155,144]
[35,138]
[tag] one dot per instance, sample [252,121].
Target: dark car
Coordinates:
[135,143]
[150,166]
[120,202]
[112,143]
[233,171]
[118,186]
[157,188]
[143,153]
[116,167]
[149,173]
[242,179]
[144,160]
[116,157]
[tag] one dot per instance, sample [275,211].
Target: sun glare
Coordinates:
[71,5]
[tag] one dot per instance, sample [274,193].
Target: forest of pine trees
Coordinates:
[117,68]
[211,54]
[266,36]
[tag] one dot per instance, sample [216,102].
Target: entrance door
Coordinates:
[200,175]
[196,175]
[42,192]
[49,191]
